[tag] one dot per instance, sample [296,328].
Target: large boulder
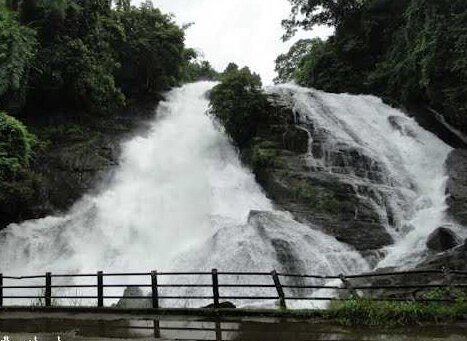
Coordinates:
[442,239]
[136,303]
[453,259]
[456,165]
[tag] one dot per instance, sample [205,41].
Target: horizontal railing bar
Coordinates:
[126,285]
[74,286]
[23,277]
[245,273]
[307,276]
[247,285]
[184,273]
[121,274]
[184,285]
[23,297]
[312,287]
[414,286]
[162,297]
[22,287]
[249,297]
[70,275]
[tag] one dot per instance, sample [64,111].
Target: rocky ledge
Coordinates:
[456,165]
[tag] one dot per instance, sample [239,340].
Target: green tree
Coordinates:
[152,54]
[287,65]
[123,5]
[306,14]
[240,105]
[15,147]
[17,50]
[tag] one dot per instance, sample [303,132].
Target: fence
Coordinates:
[277,283]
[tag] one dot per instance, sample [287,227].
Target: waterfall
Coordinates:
[174,188]
[181,199]
[388,158]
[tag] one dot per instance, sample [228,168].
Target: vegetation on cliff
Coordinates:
[240,105]
[410,52]
[15,147]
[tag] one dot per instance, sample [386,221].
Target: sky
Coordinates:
[246,32]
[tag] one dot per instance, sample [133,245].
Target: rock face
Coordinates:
[336,186]
[456,166]
[78,154]
[442,239]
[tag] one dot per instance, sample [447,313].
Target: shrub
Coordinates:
[240,105]
[15,146]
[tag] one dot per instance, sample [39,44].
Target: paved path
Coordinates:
[49,326]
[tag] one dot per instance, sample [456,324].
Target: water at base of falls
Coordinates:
[181,200]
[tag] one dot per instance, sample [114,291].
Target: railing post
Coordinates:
[157,329]
[48,289]
[100,289]
[155,293]
[215,288]
[1,290]
[349,286]
[218,329]
[448,279]
[279,289]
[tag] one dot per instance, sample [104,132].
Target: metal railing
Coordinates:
[284,290]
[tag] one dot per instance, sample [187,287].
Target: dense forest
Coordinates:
[74,64]
[408,52]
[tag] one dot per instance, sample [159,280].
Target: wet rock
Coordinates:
[456,165]
[136,303]
[400,124]
[222,305]
[327,200]
[442,239]
[453,259]
[296,139]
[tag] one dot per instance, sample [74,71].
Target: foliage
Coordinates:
[287,65]
[263,154]
[198,69]
[239,103]
[82,54]
[306,14]
[17,49]
[151,53]
[410,52]
[16,145]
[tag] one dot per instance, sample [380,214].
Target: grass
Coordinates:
[384,313]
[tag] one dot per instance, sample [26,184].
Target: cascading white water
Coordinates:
[174,188]
[181,200]
[411,159]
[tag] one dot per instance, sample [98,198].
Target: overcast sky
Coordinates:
[246,32]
